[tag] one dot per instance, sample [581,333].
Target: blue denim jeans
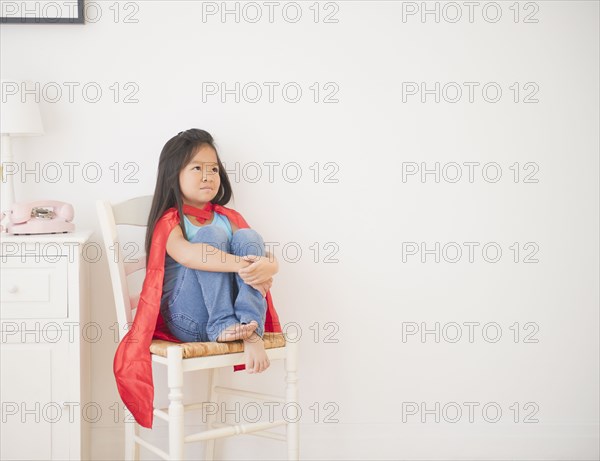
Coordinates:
[202,303]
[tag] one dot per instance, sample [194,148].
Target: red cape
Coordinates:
[132,364]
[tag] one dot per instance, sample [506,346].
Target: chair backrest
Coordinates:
[133,212]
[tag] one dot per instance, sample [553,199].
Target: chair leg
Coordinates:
[209,452]
[291,398]
[176,410]
[132,449]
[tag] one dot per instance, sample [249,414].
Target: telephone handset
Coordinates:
[40,217]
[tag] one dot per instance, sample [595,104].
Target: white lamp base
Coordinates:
[7,195]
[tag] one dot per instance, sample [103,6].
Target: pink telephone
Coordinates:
[36,218]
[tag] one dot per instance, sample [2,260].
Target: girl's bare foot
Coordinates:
[256,359]
[235,332]
[250,327]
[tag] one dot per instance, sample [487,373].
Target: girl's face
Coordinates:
[199,180]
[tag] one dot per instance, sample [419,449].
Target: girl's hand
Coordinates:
[259,271]
[263,287]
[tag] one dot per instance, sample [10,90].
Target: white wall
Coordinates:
[365,379]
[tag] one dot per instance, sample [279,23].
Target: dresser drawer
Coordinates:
[33,287]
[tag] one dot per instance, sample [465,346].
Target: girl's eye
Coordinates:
[215,169]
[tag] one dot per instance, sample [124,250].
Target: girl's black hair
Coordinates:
[175,155]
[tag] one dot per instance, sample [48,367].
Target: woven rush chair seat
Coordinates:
[199,349]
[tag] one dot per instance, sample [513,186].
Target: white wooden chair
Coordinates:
[180,358]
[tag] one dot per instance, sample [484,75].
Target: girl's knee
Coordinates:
[213,235]
[247,234]
[247,241]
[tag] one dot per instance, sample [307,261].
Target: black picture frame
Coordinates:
[46,9]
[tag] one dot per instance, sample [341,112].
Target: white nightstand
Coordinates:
[45,346]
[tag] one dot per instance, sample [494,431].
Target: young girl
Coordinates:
[216,275]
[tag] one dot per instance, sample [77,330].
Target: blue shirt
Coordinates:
[172,266]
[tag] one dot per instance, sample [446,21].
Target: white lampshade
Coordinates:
[19,116]
[19,111]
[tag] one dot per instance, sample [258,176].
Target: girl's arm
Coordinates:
[202,256]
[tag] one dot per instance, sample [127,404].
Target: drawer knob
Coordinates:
[13,289]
